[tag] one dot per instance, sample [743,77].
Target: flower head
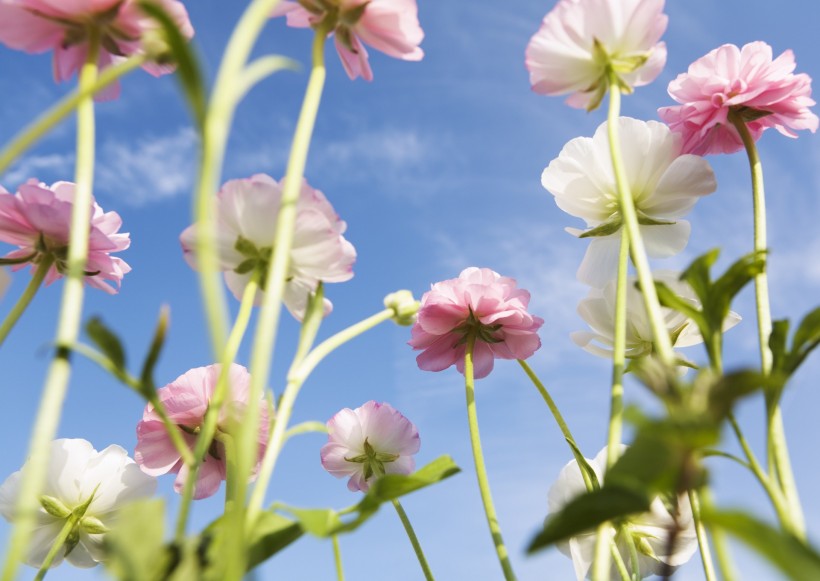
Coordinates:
[665,184]
[580,41]
[389,26]
[37,219]
[745,83]
[369,442]
[186,401]
[80,482]
[479,303]
[247,210]
[37,26]
[650,530]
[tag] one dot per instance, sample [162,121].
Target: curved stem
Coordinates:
[337,558]
[480,469]
[703,540]
[58,544]
[59,371]
[556,414]
[428,575]
[25,299]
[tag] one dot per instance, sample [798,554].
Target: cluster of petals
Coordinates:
[246,216]
[581,40]
[665,184]
[78,477]
[186,401]
[368,442]
[652,527]
[598,311]
[37,219]
[389,26]
[746,82]
[479,303]
[37,26]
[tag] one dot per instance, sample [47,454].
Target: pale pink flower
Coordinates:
[36,26]
[479,303]
[246,219]
[37,219]
[580,39]
[186,400]
[369,442]
[762,92]
[389,26]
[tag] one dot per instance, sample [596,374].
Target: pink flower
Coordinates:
[38,220]
[36,26]
[367,443]
[579,40]
[389,26]
[746,82]
[186,400]
[479,303]
[246,217]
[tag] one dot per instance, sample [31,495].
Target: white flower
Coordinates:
[77,474]
[664,184]
[598,310]
[246,223]
[653,526]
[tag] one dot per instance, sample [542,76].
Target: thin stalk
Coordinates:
[620,566]
[411,534]
[724,561]
[25,299]
[337,558]
[59,371]
[59,542]
[556,414]
[703,540]
[600,561]
[480,469]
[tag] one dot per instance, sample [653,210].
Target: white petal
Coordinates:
[600,262]
[666,240]
[687,179]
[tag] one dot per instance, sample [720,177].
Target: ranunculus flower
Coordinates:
[761,91]
[37,219]
[650,530]
[36,26]
[186,400]
[479,303]
[579,39]
[246,219]
[368,442]
[77,474]
[389,26]
[598,310]
[665,185]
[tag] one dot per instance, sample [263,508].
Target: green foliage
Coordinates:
[107,342]
[135,549]
[805,340]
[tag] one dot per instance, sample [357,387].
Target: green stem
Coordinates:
[724,561]
[600,561]
[25,299]
[56,383]
[428,575]
[480,469]
[59,542]
[616,409]
[337,558]
[703,541]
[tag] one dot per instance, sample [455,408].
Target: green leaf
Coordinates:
[777,344]
[733,386]
[586,469]
[806,339]
[135,550]
[320,522]
[271,533]
[107,342]
[605,229]
[724,289]
[797,560]
[147,373]
[697,274]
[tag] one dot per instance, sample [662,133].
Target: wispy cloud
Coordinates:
[47,168]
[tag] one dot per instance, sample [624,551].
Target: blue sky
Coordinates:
[435,166]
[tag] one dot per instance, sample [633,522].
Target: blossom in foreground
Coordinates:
[482,304]
[78,476]
[186,400]
[650,530]
[580,40]
[36,26]
[246,216]
[745,82]
[598,310]
[665,184]
[37,219]
[389,26]
[368,442]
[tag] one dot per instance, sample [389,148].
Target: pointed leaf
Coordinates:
[107,342]
[135,549]
[697,274]
[147,374]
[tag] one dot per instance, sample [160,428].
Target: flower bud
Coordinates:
[404,306]
[92,525]
[54,507]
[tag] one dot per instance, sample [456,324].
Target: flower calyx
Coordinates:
[372,460]
[612,67]
[256,259]
[473,327]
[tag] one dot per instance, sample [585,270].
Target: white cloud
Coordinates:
[47,168]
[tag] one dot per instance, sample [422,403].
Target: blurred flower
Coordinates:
[36,26]
[650,530]
[598,310]
[186,400]
[581,40]
[665,185]
[389,26]
[83,484]
[38,220]
[246,219]
[367,443]
[747,82]
[479,303]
